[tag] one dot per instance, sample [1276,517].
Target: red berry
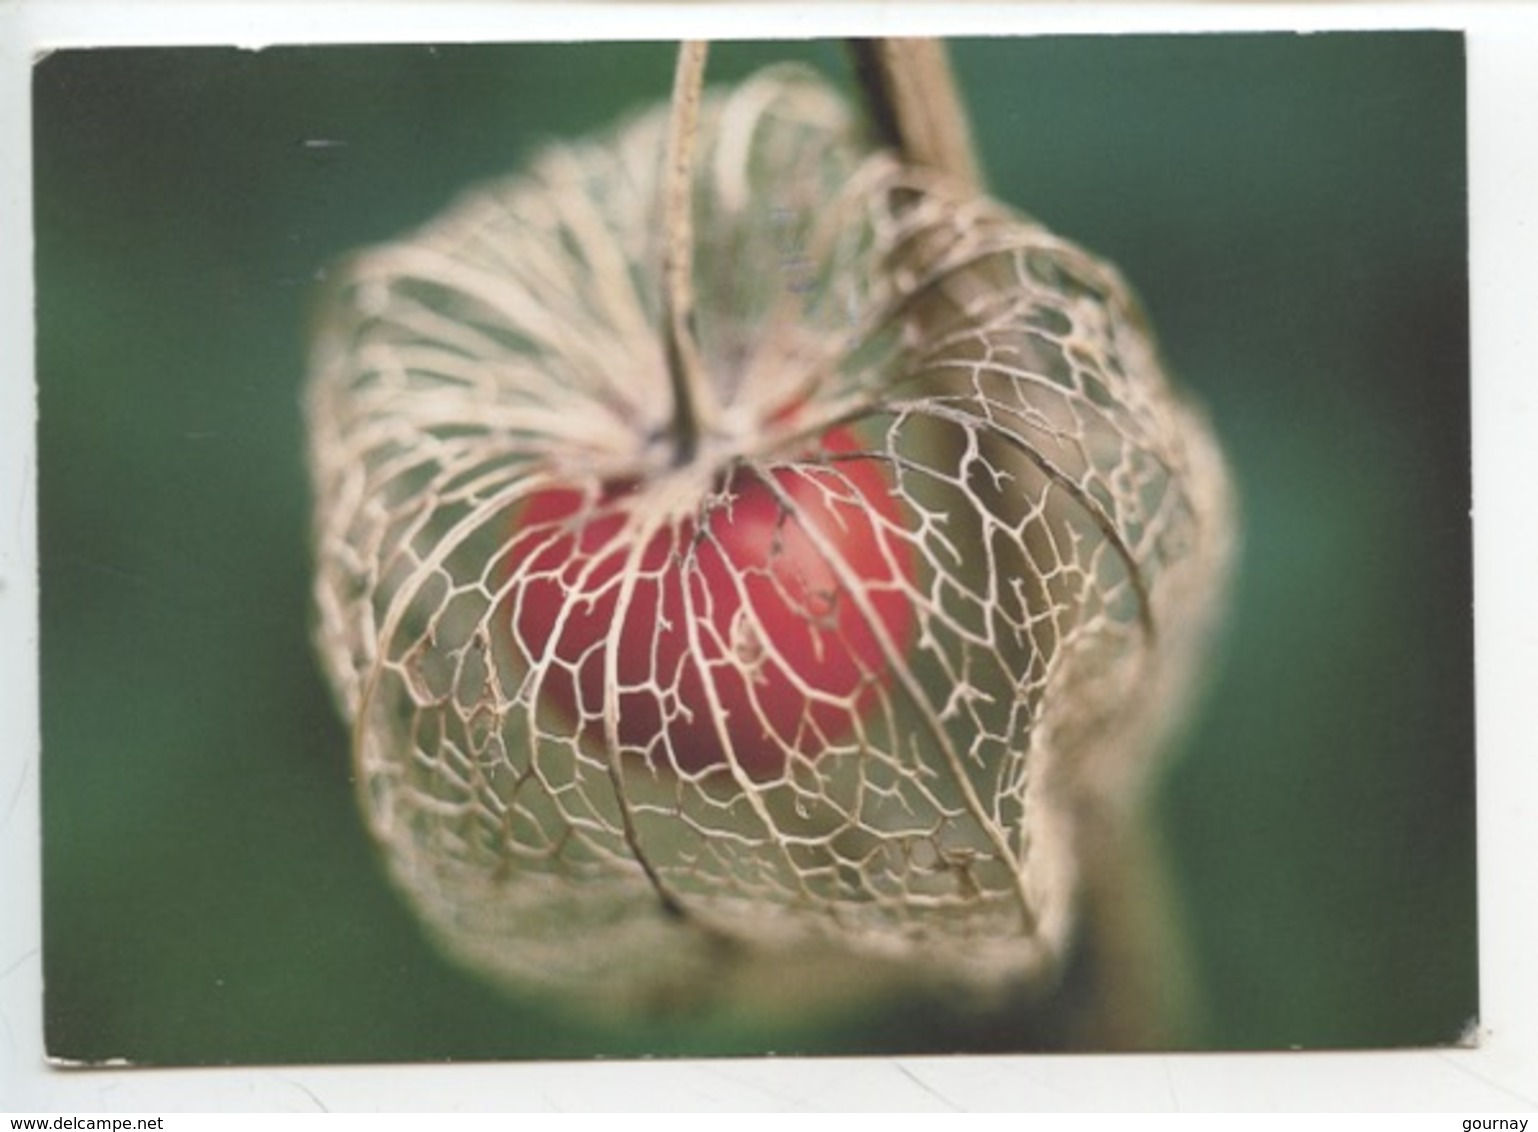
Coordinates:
[739,644]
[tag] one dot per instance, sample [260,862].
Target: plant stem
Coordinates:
[693,401]
[911,96]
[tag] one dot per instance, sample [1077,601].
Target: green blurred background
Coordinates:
[1292,209]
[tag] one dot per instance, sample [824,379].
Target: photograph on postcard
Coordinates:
[834,547]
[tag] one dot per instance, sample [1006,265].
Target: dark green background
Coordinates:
[1292,209]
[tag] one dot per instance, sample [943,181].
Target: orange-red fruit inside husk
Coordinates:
[743,644]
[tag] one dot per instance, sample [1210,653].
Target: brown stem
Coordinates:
[693,401]
[911,96]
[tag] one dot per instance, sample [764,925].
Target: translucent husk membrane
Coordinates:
[1058,530]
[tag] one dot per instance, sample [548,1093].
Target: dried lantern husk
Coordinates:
[1066,511]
